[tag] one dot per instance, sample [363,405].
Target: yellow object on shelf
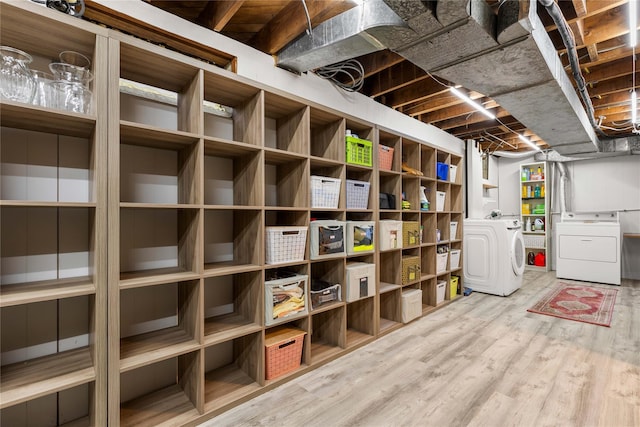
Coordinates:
[453,283]
[526,210]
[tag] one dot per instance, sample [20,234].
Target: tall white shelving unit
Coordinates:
[534,209]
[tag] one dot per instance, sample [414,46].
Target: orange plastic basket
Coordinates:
[385,157]
[283,351]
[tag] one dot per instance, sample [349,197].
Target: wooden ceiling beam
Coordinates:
[618,118]
[393,78]
[445,100]
[612,111]
[612,99]
[605,55]
[114,19]
[415,92]
[469,120]
[292,21]
[615,85]
[376,62]
[605,26]
[609,71]
[217,14]
[594,8]
[487,125]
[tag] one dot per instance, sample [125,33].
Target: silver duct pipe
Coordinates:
[348,35]
[514,154]
[562,168]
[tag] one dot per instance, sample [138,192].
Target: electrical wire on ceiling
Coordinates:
[306,12]
[348,75]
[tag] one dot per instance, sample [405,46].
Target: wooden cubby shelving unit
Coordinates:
[53,210]
[133,237]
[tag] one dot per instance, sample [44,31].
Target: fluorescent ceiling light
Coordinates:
[471,102]
[529,143]
[634,107]
[633,23]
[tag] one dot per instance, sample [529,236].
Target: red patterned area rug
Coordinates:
[577,302]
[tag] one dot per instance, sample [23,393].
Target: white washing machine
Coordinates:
[493,255]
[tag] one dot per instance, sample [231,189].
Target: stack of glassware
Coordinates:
[70,87]
[66,89]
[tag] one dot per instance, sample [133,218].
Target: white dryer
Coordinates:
[493,255]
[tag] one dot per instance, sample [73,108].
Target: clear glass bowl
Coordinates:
[71,73]
[16,81]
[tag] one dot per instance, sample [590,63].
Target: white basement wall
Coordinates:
[603,184]
[260,67]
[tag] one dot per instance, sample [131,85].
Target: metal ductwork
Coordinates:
[508,57]
[343,37]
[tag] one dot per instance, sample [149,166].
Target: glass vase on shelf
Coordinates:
[16,80]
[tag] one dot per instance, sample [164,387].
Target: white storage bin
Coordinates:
[361,280]
[441,262]
[357,194]
[325,192]
[440,196]
[285,244]
[441,288]
[454,230]
[455,259]
[390,234]
[285,298]
[411,305]
[453,169]
[327,239]
[360,237]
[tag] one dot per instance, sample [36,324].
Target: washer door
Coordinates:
[517,253]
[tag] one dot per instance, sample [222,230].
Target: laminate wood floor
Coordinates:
[482,361]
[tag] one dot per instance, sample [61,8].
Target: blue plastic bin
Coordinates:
[442,171]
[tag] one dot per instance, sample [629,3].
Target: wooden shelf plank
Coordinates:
[321,350]
[43,204]
[46,290]
[167,406]
[145,349]
[160,276]
[135,205]
[150,136]
[227,268]
[229,326]
[33,118]
[327,307]
[388,287]
[275,156]
[321,162]
[226,385]
[80,422]
[631,235]
[45,375]
[387,325]
[219,147]
[355,338]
